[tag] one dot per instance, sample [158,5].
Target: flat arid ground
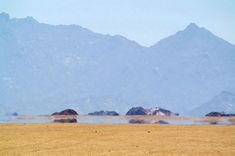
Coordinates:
[117,139]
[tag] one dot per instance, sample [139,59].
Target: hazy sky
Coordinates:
[145,21]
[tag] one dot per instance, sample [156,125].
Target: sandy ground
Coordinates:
[116,139]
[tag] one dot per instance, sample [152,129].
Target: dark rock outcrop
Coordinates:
[213,123]
[12,114]
[160,112]
[137,111]
[219,114]
[66,112]
[214,114]
[161,122]
[136,121]
[100,113]
[15,114]
[65,120]
[152,111]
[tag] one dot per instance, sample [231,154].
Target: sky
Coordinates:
[144,21]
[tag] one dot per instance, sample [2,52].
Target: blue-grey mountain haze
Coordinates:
[46,68]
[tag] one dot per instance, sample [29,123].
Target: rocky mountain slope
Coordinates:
[223,102]
[46,68]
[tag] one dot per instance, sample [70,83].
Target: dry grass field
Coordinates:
[116,139]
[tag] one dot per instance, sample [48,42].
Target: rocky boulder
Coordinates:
[152,111]
[12,114]
[162,122]
[66,112]
[136,121]
[137,111]
[160,112]
[65,120]
[101,113]
[15,114]
[217,114]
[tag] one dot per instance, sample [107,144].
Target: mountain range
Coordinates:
[46,68]
[223,102]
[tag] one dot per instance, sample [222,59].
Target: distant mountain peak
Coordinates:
[223,102]
[31,19]
[27,19]
[191,34]
[4,16]
[192,26]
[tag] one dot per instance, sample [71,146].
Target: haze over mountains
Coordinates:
[46,68]
[223,102]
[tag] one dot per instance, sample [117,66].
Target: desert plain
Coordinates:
[19,139]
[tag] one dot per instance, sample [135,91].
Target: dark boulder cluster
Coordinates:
[15,114]
[66,112]
[136,121]
[69,115]
[139,121]
[103,113]
[162,122]
[12,114]
[65,120]
[152,111]
[218,114]
[160,112]
[137,111]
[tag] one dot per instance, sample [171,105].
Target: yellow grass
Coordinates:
[117,139]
